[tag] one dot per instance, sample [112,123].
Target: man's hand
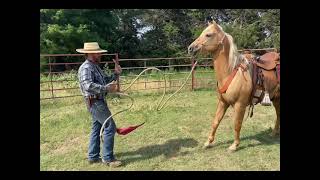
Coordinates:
[111,88]
[117,67]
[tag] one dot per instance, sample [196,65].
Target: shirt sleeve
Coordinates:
[86,79]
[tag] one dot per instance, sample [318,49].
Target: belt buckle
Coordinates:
[95,96]
[92,96]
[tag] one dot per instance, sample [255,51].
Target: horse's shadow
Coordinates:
[262,138]
[170,149]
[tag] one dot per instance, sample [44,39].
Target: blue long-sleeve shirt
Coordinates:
[92,80]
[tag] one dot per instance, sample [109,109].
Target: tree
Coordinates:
[138,33]
[62,31]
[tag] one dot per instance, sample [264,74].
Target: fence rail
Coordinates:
[192,84]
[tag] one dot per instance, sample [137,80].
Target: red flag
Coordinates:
[124,131]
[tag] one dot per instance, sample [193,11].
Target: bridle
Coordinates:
[220,42]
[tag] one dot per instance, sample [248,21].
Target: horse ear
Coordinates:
[210,20]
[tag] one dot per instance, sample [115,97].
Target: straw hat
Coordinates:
[91,47]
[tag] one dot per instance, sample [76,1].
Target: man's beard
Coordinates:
[97,59]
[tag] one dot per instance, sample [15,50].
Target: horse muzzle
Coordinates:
[192,49]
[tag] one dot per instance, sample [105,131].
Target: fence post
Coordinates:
[145,75]
[118,82]
[52,96]
[169,72]
[193,78]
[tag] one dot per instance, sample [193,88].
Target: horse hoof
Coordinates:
[232,148]
[275,134]
[208,145]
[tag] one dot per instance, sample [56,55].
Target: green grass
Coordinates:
[172,138]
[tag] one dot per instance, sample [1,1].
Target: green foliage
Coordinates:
[136,33]
[244,36]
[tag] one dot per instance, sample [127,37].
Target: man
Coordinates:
[94,85]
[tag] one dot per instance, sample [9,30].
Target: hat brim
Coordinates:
[88,52]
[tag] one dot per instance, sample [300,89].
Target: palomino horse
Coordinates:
[236,91]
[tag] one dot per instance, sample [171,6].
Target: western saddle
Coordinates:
[265,77]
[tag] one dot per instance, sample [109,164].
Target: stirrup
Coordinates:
[266,100]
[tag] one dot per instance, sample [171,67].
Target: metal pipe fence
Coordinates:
[53,80]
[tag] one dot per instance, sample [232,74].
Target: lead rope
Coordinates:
[159,106]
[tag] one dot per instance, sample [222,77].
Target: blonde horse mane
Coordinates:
[234,58]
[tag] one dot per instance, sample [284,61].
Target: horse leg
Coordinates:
[221,110]
[276,130]
[239,111]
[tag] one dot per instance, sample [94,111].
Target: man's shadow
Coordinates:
[169,149]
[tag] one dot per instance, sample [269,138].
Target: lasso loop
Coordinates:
[159,106]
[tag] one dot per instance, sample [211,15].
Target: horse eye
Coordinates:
[209,35]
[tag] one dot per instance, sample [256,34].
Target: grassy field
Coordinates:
[171,139]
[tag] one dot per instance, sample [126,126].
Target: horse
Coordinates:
[235,81]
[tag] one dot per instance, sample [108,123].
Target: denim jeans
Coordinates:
[100,112]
